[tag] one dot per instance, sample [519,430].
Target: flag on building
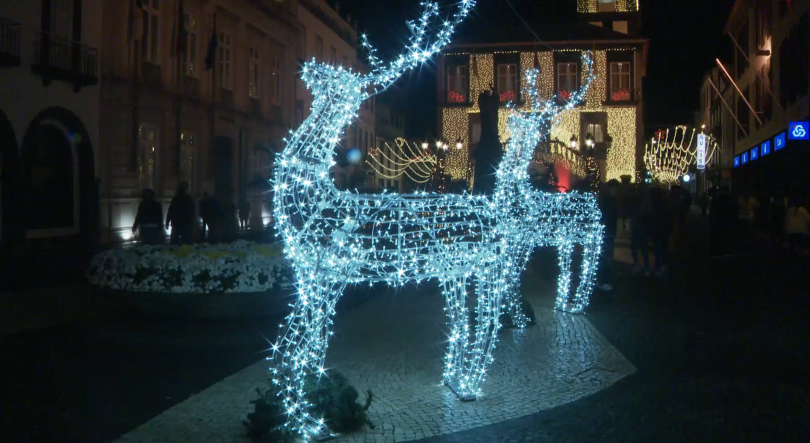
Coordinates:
[211,53]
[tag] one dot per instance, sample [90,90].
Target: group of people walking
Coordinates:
[653,213]
[182,219]
[782,220]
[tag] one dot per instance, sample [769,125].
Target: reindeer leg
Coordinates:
[489,291]
[513,301]
[300,351]
[592,245]
[455,295]
[565,250]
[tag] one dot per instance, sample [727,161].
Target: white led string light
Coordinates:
[669,157]
[334,238]
[418,165]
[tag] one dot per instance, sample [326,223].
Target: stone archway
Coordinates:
[58,178]
[10,215]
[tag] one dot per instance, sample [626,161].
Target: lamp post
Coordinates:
[573,143]
[459,144]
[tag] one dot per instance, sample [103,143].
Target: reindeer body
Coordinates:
[334,237]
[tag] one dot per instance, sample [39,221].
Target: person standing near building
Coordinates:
[206,213]
[149,219]
[663,220]
[722,220]
[181,215]
[704,203]
[640,221]
[797,224]
[244,213]
[609,205]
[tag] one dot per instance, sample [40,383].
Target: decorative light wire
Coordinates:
[669,157]
[334,238]
[418,165]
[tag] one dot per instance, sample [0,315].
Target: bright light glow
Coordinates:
[686,178]
[622,120]
[334,238]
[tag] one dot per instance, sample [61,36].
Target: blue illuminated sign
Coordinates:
[736,161]
[799,131]
[765,149]
[754,153]
[779,141]
[744,158]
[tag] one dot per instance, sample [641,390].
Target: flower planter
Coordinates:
[236,280]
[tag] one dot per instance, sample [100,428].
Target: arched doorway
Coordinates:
[10,216]
[58,182]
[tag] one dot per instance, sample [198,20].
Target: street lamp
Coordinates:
[686,178]
[439,144]
[589,140]
[573,142]
[424,145]
[459,145]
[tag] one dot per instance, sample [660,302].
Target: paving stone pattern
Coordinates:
[394,345]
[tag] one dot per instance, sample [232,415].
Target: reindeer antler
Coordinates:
[419,49]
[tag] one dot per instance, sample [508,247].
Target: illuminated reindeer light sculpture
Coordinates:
[334,238]
[529,218]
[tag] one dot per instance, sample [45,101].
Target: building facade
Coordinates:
[210,108]
[49,125]
[715,118]
[331,38]
[771,96]
[611,116]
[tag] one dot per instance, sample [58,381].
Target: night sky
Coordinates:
[685,38]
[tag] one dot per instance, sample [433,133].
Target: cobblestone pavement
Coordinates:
[393,345]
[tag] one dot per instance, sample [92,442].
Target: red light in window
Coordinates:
[455,97]
[565,95]
[621,95]
[507,96]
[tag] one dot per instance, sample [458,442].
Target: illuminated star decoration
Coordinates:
[670,154]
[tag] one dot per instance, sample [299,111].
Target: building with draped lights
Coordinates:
[769,96]
[610,120]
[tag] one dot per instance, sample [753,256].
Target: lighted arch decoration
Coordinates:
[334,238]
[406,159]
[670,154]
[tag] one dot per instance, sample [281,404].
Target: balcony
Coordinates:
[151,75]
[59,58]
[9,43]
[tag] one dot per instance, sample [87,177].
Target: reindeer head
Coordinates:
[529,128]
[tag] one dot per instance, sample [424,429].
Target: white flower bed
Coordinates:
[239,267]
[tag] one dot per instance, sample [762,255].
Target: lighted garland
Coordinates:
[334,238]
[417,164]
[671,153]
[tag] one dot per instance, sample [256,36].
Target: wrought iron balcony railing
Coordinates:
[59,58]
[9,43]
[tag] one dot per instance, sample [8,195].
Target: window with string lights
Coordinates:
[457,81]
[567,79]
[507,82]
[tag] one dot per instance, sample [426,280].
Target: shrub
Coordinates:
[528,311]
[330,397]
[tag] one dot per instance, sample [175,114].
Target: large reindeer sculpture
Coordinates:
[334,238]
[530,218]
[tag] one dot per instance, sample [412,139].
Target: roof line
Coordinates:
[558,42]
